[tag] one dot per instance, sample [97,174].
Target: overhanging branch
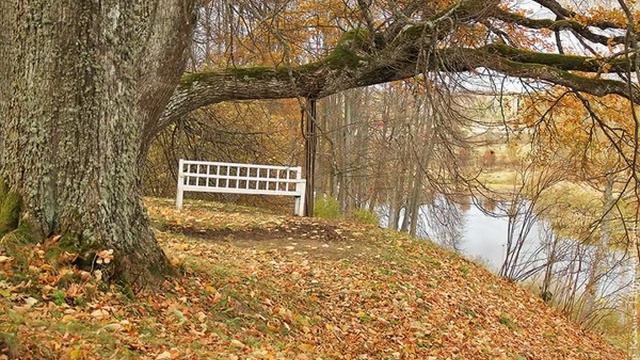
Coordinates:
[362,59]
[321,79]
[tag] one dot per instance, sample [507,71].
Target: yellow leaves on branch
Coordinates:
[601,14]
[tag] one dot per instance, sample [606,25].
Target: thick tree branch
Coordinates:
[564,13]
[328,77]
[556,25]
[558,75]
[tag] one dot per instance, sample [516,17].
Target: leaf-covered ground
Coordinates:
[254,285]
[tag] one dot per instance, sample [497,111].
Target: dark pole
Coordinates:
[310,144]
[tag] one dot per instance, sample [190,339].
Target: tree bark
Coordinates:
[81,81]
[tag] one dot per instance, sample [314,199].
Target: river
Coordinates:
[482,238]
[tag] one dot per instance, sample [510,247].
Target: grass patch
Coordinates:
[9,345]
[364,216]
[507,321]
[326,207]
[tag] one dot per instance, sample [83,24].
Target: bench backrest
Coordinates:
[233,178]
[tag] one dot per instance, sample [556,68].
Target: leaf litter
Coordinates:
[256,285]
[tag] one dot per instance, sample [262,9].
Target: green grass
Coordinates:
[506,320]
[326,207]
[364,216]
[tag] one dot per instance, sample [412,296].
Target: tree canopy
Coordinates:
[589,51]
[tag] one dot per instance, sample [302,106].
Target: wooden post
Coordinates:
[310,144]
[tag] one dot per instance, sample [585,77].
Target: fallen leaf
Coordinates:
[164,356]
[30,301]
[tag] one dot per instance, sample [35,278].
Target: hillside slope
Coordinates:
[263,286]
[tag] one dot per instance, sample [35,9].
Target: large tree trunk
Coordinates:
[82,80]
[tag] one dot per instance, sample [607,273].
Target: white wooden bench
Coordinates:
[218,177]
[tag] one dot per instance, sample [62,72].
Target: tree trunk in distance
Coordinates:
[310,147]
[602,247]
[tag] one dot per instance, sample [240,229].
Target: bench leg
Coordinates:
[179,190]
[301,209]
[296,206]
[179,195]
[300,189]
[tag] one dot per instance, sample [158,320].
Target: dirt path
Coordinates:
[312,239]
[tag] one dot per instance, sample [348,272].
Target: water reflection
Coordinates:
[480,233]
[484,237]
